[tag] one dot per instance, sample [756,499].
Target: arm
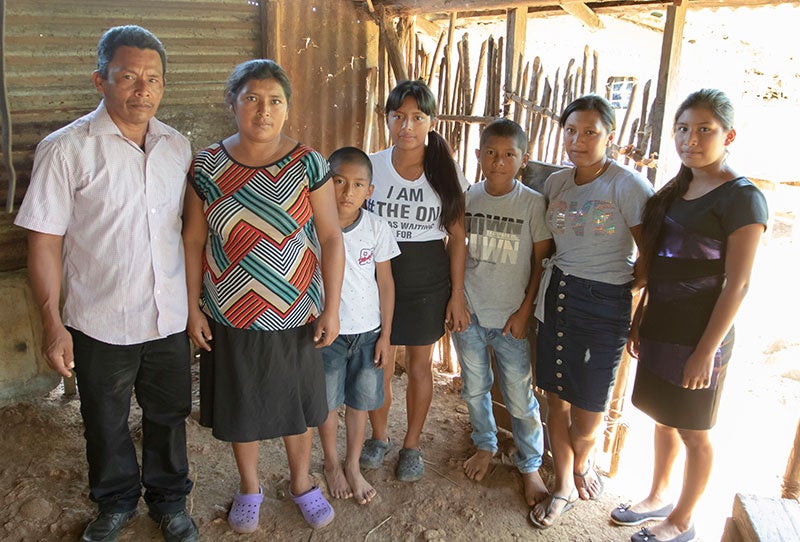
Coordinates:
[45,268]
[517,323]
[741,252]
[383,273]
[639,274]
[195,235]
[457,316]
[326,221]
[632,346]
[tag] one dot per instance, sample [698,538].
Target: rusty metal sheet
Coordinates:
[323,50]
[50,50]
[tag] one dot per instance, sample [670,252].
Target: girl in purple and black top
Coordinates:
[700,234]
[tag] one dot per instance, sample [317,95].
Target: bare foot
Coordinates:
[476,466]
[589,484]
[549,511]
[337,482]
[363,492]
[533,485]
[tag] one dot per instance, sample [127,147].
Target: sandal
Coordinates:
[373,453]
[243,515]
[316,509]
[410,468]
[567,507]
[583,476]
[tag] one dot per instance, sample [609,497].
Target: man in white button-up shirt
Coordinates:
[104,213]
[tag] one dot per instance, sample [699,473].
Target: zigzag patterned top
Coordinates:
[260,265]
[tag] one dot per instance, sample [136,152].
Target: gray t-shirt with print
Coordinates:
[501,231]
[591,223]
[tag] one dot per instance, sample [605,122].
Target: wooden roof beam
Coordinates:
[584,13]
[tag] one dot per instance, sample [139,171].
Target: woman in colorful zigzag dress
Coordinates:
[253,265]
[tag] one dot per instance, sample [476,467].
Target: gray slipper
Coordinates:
[373,453]
[623,515]
[410,468]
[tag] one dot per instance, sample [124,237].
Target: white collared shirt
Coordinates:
[119,210]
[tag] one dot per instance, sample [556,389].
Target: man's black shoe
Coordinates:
[177,527]
[106,526]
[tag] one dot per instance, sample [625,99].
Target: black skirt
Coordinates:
[675,406]
[422,289]
[257,385]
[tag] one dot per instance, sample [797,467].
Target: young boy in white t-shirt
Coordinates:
[507,240]
[354,361]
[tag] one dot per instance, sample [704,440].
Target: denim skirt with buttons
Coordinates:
[581,340]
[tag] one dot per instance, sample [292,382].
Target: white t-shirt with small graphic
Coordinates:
[366,242]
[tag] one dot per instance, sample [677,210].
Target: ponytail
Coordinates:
[656,210]
[440,170]
[718,104]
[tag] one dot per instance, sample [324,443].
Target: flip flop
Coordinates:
[591,469]
[243,515]
[567,507]
[316,509]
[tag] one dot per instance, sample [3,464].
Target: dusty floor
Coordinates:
[43,474]
[42,471]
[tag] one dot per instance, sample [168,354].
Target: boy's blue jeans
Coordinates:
[514,369]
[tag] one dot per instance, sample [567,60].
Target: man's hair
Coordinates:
[129,35]
[506,128]
[350,155]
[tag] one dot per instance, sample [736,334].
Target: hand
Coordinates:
[198,329]
[383,349]
[326,329]
[517,324]
[632,346]
[57,349]
[697,371]
[457,316]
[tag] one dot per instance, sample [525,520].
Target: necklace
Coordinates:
[595,175]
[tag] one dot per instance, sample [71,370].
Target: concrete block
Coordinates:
[23,370]
[766,519]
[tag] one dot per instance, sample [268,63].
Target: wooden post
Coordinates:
[369,124]
[791,480]
[269,15]
[393,47]
[516,30]
[667,83]
[616,451]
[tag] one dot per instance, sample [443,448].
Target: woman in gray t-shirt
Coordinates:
[584,307]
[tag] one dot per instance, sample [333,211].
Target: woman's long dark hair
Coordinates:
[438,164]
[718,104]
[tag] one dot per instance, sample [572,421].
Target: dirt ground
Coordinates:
[43,486]
[43,473]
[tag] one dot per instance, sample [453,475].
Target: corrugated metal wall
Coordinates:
[51,53]
[324,49]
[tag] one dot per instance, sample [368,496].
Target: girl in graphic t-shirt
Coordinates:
[419,190]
